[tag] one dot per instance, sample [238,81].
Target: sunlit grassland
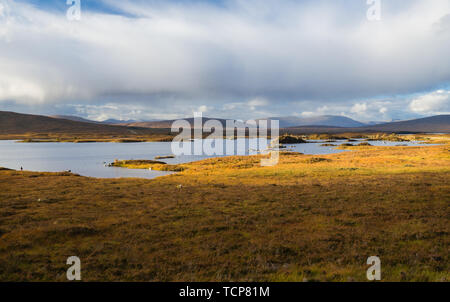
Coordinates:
[367,161]
[147,164]
[307,218]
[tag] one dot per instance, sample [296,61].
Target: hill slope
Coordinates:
[437,124]
[433,124]
[73,118]
[12,123]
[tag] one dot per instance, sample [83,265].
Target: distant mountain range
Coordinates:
[73,118]
[112,121]
[81,119]
[17,123]
[322,120]
[285,122]
[168,123]
[433,124]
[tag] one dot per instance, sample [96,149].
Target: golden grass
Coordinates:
[229,219]
[147,164]
[86,138]
[165,135]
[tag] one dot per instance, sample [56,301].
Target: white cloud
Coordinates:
[231,106]
[257,102]
[13,87]
[308,114]
[437,102]
[120,112]
[202,108]
[282,51]
[252,104]
[375,110]
[359,108]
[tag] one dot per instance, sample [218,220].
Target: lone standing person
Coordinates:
[21,168]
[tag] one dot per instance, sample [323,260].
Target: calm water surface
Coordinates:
[89,159]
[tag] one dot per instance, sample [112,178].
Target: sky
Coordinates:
[236,59]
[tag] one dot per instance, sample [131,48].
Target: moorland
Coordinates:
[309,218]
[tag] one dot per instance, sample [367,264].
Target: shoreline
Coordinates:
[289,138]
[182,167]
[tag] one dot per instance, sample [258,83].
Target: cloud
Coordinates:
[203,108]
[161,53]
[257,102]
[117,111]
[364,111]
[252,104]
[359,108]
[14,87]
[437,102]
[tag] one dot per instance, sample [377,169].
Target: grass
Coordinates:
[229,219]
[388,137]
[147,164]
[86,138]
[165,135]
